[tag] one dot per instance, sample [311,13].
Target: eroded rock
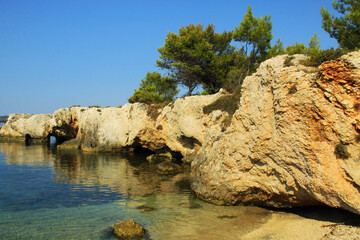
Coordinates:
[279,150]
[128,230]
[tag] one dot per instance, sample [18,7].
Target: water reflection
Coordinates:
[129,175]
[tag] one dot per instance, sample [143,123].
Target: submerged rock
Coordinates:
[168,168]
[144,208]
[128,230]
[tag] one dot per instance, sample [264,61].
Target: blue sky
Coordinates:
[59,53]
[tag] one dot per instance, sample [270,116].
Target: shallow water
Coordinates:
[49,194]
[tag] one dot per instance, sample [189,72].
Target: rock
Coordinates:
[144,208]
[27,126]
[73,144]
[160,157]
[168,168]
[128,229]
[343,232]
[280,148]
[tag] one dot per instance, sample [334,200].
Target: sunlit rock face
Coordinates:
[22,125]
[294,141]
[180,126]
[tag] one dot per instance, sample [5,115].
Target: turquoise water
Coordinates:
[50,194]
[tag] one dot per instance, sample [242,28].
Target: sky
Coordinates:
[59,53]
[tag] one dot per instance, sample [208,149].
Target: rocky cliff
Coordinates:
[294,140]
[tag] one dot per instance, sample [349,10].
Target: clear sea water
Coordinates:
[50,194]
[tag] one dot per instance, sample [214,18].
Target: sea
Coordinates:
[46,193]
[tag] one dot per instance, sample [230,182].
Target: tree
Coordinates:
[155,89]
[197,56]
[277,49]
[345,29]
[300,48]
[297,48]
[255,36]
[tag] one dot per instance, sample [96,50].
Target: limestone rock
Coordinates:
[21,125]
[128,229]
[279,150]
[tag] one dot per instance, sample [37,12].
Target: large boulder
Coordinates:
[294,140]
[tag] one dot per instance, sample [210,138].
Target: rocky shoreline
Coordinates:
[293,141]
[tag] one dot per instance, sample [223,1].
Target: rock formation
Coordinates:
[20,126]
[294,140]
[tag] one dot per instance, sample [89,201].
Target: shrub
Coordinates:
[287,62]
[317,58]
[228,103]
[341,151]
[75,106]
[95,106]
[153,110]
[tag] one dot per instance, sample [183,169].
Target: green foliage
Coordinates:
[300,48]
[341,151]
[155,89]
[344,29]
[314,45]
[197,56]
[287,62]
[227,103]
[277,49]
[95,106]
[317,58]
[119,106]
[75,106]
[234,79]
[297,48]
[154,110]
[255,36]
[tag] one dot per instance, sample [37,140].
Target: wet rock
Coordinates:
[128,229]
[160,157]
[73,144]
[168,168]
[144,208]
